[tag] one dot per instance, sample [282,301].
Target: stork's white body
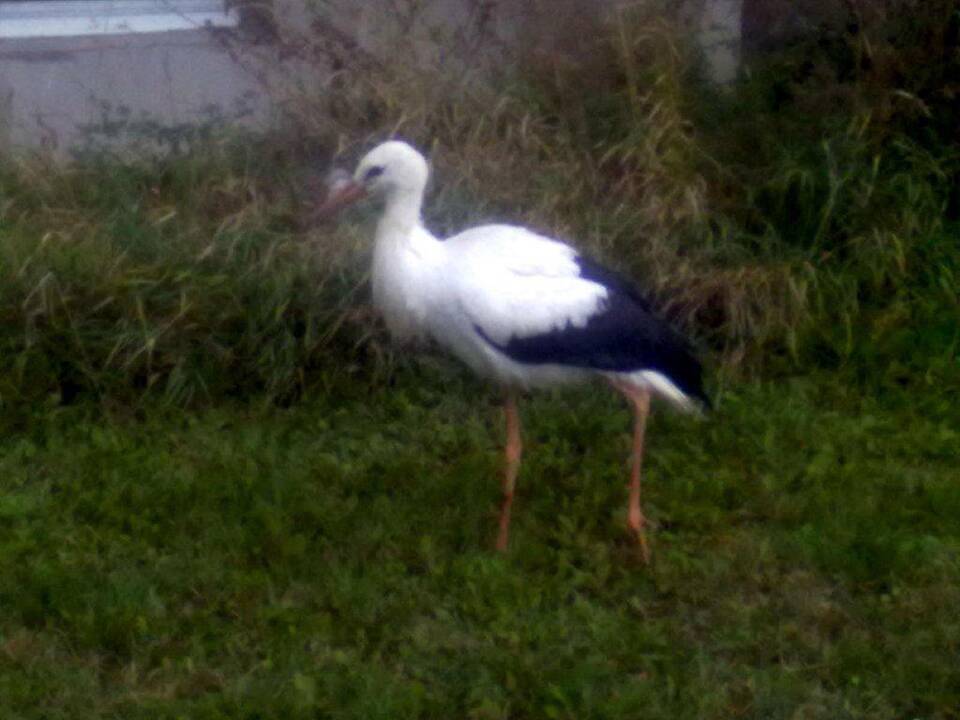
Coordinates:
[423,286]
[503,279]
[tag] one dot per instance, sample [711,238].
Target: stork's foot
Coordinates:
[639,398]
[636,525]
[512,451]
[503,536]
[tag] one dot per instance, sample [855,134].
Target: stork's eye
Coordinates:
[374,172]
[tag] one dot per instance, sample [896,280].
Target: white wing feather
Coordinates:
[511,282]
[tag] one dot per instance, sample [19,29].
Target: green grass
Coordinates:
[220,496]
[334,559]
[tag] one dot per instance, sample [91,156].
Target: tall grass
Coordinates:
[179,278]
[760,215]
[780,225]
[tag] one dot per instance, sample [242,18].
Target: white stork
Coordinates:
[519,308]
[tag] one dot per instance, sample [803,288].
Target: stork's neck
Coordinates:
[405,259]
[402,238]
[401,214]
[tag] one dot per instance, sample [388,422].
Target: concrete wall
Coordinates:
[53,90]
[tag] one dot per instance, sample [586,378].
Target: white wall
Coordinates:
[51,88]
[720,27]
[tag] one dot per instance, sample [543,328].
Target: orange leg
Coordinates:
[514,449]
[640,401]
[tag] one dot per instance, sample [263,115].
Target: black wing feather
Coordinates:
[625,336]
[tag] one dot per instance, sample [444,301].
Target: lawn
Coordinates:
[333,559]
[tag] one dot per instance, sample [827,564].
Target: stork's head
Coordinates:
[391,169]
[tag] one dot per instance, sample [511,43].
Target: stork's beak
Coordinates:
[342,194]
